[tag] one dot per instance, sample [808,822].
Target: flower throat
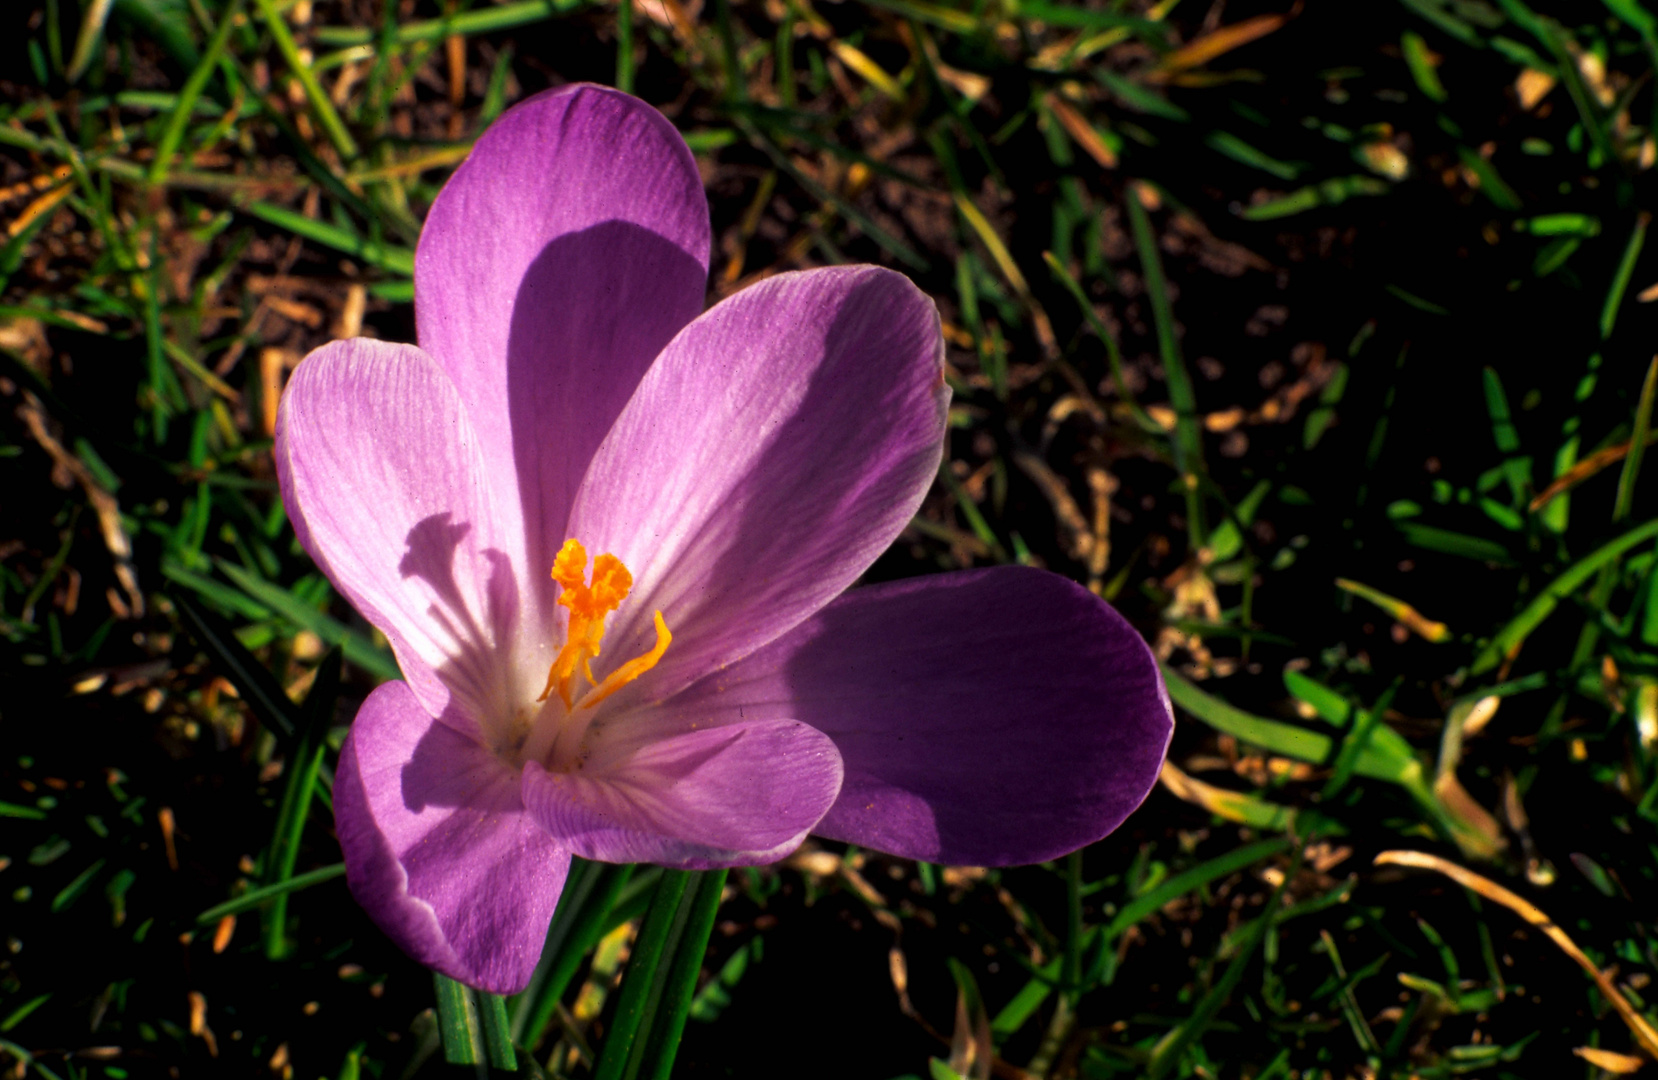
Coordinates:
[588,604]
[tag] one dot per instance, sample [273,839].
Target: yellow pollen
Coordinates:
[588,605]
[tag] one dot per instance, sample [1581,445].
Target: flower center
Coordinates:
[588,604]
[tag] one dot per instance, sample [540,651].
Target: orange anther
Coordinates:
[588,605]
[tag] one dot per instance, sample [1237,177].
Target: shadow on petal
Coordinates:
[592,312]
[779,445]
[438,848]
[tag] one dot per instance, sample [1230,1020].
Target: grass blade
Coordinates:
[185,106]
[497,1036]
[254,897]
[358,648]
[1188,435]
[301,67]
[1189,880]
[681,984]
[458,1022]
[1637,445]
[641,987]
[257,685]
[1172,1047]
[576,928]
[393,260]
[1509,639]
[303,772]
[1279,738]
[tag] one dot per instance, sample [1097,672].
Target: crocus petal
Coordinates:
[383,481]
[745,793]
[776,447]
[438,848]
[986,718]
[555,264]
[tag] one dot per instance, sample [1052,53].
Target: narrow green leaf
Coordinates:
[1560,225]
[1626,270]
[1453,25]
[1168,1051]
[1635,15]
[1502,422]
[581,919]
[680,989]
[358,648]
[72,891]
[624,46]
[395,260]
[497,1037]
[214,592]
[1358,741]
[1279,738]
[1513,635]
[1419,58]
[185,105]
[163,26]
[1243,153]
[1188,433]
[483,20]
[19,1014]
[1492,185]
[1114,354]
[1433,538]
[1138,97]
[458,1022]
[945,18]
[1328,193]
[257,686]
[1637,446]
[894,246]
[1588,109]
[1190,880]
[303,770]
[321,104]
[1329,705]
[255,897]
[657,936]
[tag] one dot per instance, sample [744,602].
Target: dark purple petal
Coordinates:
[985,718]
[383,481]
[745,793]
[553,267]
[438,848]
[779,444]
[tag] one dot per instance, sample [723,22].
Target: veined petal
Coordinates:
[986,718]
[383,480]
[776,447]
[745,793]
[438,848]
[553,267]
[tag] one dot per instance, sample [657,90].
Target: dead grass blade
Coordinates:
[1583,470]
[1645,1034]
[1206,48]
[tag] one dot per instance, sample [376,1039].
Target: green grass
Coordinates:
[1272,339]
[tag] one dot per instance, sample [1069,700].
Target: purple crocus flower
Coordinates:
[698,693]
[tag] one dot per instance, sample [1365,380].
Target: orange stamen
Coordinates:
[632,669]
[588,605]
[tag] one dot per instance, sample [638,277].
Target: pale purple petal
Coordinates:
[438,848]
[382,478]
[745,793]
[986,718]
[553,267]
[778,445]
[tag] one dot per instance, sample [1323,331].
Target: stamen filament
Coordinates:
[632,669]
[588,605]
